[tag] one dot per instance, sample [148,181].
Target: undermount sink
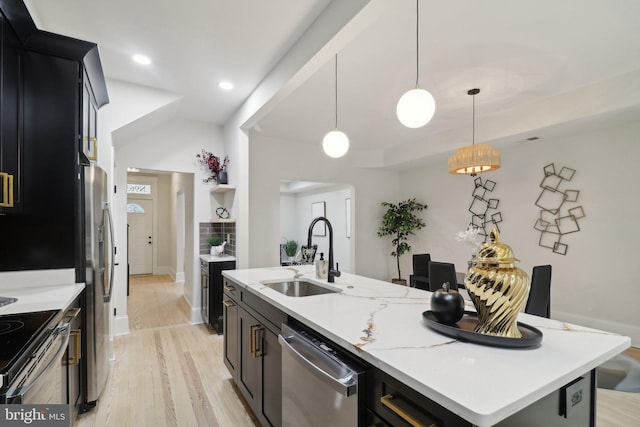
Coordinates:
[299,288]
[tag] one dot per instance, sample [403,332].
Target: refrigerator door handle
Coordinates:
[109,285]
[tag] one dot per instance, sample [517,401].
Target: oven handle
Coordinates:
[66,328]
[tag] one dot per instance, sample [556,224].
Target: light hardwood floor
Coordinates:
[167,372]
[170,373]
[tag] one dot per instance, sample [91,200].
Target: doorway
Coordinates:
[301,201]
[157,216]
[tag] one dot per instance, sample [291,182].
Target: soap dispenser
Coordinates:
[322,267]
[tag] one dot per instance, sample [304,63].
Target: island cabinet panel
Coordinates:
[250,330]
[230,326]
[399,405]
[253,356]
[396,404]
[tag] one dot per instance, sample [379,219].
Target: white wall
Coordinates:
[298,216]
[289,218]
[596,282]
[274,159]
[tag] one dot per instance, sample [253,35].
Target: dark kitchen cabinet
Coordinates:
[44,77]
[260,372]
[211,283]
[230,327]
[256,362]
[10,139]
[73,315]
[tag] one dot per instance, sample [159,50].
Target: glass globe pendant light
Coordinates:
[335,143]
[417,106]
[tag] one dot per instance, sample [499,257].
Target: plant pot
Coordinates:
[402,282]
[223,178]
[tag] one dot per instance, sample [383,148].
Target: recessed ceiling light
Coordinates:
[225,85]
[142,59]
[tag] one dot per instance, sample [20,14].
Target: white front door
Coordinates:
[140,219]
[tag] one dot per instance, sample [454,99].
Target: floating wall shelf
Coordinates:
[222,188]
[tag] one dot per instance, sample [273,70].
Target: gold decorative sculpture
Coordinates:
[498,289]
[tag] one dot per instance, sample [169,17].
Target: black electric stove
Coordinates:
[20,335]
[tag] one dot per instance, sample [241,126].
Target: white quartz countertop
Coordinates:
[49,297]
[482,384]
[217,258]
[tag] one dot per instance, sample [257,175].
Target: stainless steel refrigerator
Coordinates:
[99,250]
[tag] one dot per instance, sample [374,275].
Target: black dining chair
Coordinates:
[441,272]
[539,302]
[420,277]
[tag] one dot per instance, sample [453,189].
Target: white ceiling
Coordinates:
[193,44]
[538,64]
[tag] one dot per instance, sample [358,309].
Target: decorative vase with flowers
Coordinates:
[214,165]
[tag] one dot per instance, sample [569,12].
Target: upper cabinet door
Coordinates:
[11,144]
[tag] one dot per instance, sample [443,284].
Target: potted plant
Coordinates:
[400,222]
[215,166]
[217,245]
[291,248]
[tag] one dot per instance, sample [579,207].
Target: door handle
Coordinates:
[228,304]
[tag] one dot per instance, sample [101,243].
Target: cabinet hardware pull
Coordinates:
[7,190]
[76,357]
[228,304]
[252,346]
[387,401]
[229,288]
[72,313]
[259,352]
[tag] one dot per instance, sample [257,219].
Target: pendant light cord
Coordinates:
[473,122]
[417,43]
[336,87]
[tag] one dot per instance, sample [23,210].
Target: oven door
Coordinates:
[44,379]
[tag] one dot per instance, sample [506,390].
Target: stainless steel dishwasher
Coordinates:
[320,386]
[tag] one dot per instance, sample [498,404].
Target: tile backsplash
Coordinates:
[225,230]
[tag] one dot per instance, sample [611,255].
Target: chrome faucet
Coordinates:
[332,273]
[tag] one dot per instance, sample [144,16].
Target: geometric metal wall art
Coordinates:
[481,204]
[559,213]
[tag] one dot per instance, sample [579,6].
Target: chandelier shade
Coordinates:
[474,159]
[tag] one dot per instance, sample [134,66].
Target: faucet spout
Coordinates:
[333,273]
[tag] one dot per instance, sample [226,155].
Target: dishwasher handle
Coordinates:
[345,384]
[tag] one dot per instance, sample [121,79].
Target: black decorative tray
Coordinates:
[463,330]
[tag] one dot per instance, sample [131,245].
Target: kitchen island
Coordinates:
[381,324]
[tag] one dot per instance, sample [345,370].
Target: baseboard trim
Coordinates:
[121,325]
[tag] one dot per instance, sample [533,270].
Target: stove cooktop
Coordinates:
[20,335]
